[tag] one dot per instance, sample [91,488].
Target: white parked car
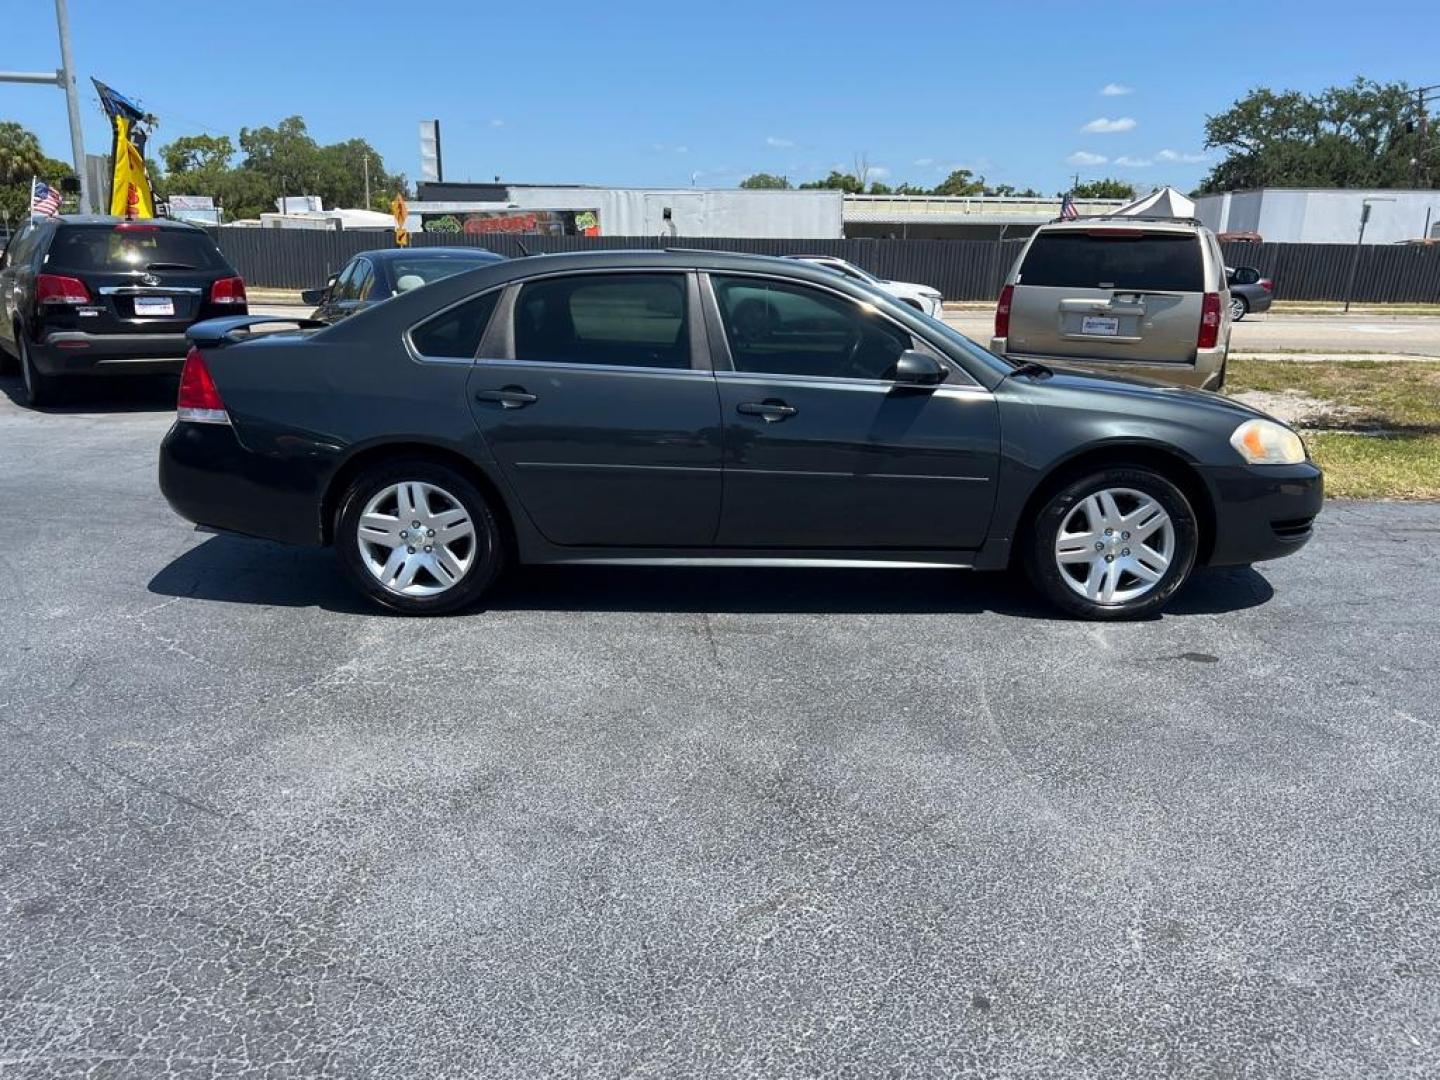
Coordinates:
[921,297]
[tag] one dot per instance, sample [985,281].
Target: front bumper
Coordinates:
[1263,511]
[75,352]
[208,477]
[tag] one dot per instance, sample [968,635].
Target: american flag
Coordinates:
[44,200]
[1067,209]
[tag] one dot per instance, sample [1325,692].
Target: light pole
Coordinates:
[63,77]
[1359,240]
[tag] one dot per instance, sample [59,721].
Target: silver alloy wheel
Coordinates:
[1115,545]
[1237,308]
[416,539]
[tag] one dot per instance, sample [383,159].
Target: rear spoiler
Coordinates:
[213,333]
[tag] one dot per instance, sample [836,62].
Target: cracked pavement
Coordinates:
[721,823]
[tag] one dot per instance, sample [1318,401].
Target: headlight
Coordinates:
[1264,442]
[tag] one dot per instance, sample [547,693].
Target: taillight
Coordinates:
[1267,284]
[229,290]
[1209,322]
[199,399]
[57,289]
[1002,311]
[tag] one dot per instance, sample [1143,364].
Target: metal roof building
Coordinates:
[1323,215]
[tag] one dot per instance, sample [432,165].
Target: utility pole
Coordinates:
[1418,164]
[63,77]
[1359,240]
[367,180]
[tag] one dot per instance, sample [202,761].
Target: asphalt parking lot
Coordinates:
[668,822]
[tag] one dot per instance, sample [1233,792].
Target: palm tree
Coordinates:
[20,153]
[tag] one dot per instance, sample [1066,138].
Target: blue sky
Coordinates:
[648,93]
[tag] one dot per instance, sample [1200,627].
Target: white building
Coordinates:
[480,209]
[1323,215]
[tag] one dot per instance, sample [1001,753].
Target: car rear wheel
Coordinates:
[1115,544]
[1239,308]
[418,537]
[40,389]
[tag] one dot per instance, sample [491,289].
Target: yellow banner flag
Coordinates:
[130,190]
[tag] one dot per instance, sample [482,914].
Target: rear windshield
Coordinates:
[136,247]
[1137,260]
[413,271]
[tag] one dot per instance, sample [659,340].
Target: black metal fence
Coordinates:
[960,269]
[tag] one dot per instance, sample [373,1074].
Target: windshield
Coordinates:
[415,271]
[121,248]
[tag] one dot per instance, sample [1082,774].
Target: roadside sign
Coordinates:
[401,211]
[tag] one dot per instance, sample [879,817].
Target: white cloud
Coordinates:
[1084,157]
[877,172]
[1106,126]
[682,149]
[1116,89]
[778,142]
[1133,162]
[497,123]
[1175,156]
[924,162]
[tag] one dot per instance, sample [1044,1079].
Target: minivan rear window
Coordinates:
[118,249]
[1164,261]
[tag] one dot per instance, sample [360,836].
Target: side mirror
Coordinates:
[1246,275]
[312,296]
[918,369]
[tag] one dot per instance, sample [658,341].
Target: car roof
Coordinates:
[1107,224]
[390,254]
[110,219]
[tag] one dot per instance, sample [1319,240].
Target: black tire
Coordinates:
[1040,539]
[1243,308]
[489,549]
[39,388]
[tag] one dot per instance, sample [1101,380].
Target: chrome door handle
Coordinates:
[509,397]
[769,410]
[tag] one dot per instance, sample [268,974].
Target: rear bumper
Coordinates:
[1263,511]
[208,477]
[74,352]
[1203,373]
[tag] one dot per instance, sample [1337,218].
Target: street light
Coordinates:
[1360,239]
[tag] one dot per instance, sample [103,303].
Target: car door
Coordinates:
[12,287]
[600,409]
[821,448]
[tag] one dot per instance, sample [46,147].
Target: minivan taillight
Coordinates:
[1002,311]
[58,289]
[199,400]
[228,290]
[1209,322]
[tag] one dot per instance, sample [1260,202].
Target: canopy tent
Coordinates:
[1164,202]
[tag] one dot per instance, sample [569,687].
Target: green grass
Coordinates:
[1396,453]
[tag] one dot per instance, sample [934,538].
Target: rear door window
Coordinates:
[1123,259]
[456,332]
[125,248]
[625,320]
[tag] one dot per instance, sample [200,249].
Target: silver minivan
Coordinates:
[1136,296]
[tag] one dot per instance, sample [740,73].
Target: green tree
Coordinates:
[766,182]
[877,188]
[960,182]
[198,154]
[21,158]
[836,181]
[285,156]
[1108,188]
[1344,136]
[1009,190]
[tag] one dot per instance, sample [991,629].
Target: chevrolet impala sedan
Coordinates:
[701,408]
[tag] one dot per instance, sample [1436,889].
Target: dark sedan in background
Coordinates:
[373,276]
[717,409]
[89,295]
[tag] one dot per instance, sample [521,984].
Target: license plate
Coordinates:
[1102,325]
[154,305]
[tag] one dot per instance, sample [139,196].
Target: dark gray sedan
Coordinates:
[1248,291]
[373,276]
[687,407]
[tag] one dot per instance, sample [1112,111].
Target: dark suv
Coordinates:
[101,295]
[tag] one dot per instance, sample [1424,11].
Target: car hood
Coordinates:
[1163,394]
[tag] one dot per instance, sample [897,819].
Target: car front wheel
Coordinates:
[418,537]
[1239,308]
[1115,544]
